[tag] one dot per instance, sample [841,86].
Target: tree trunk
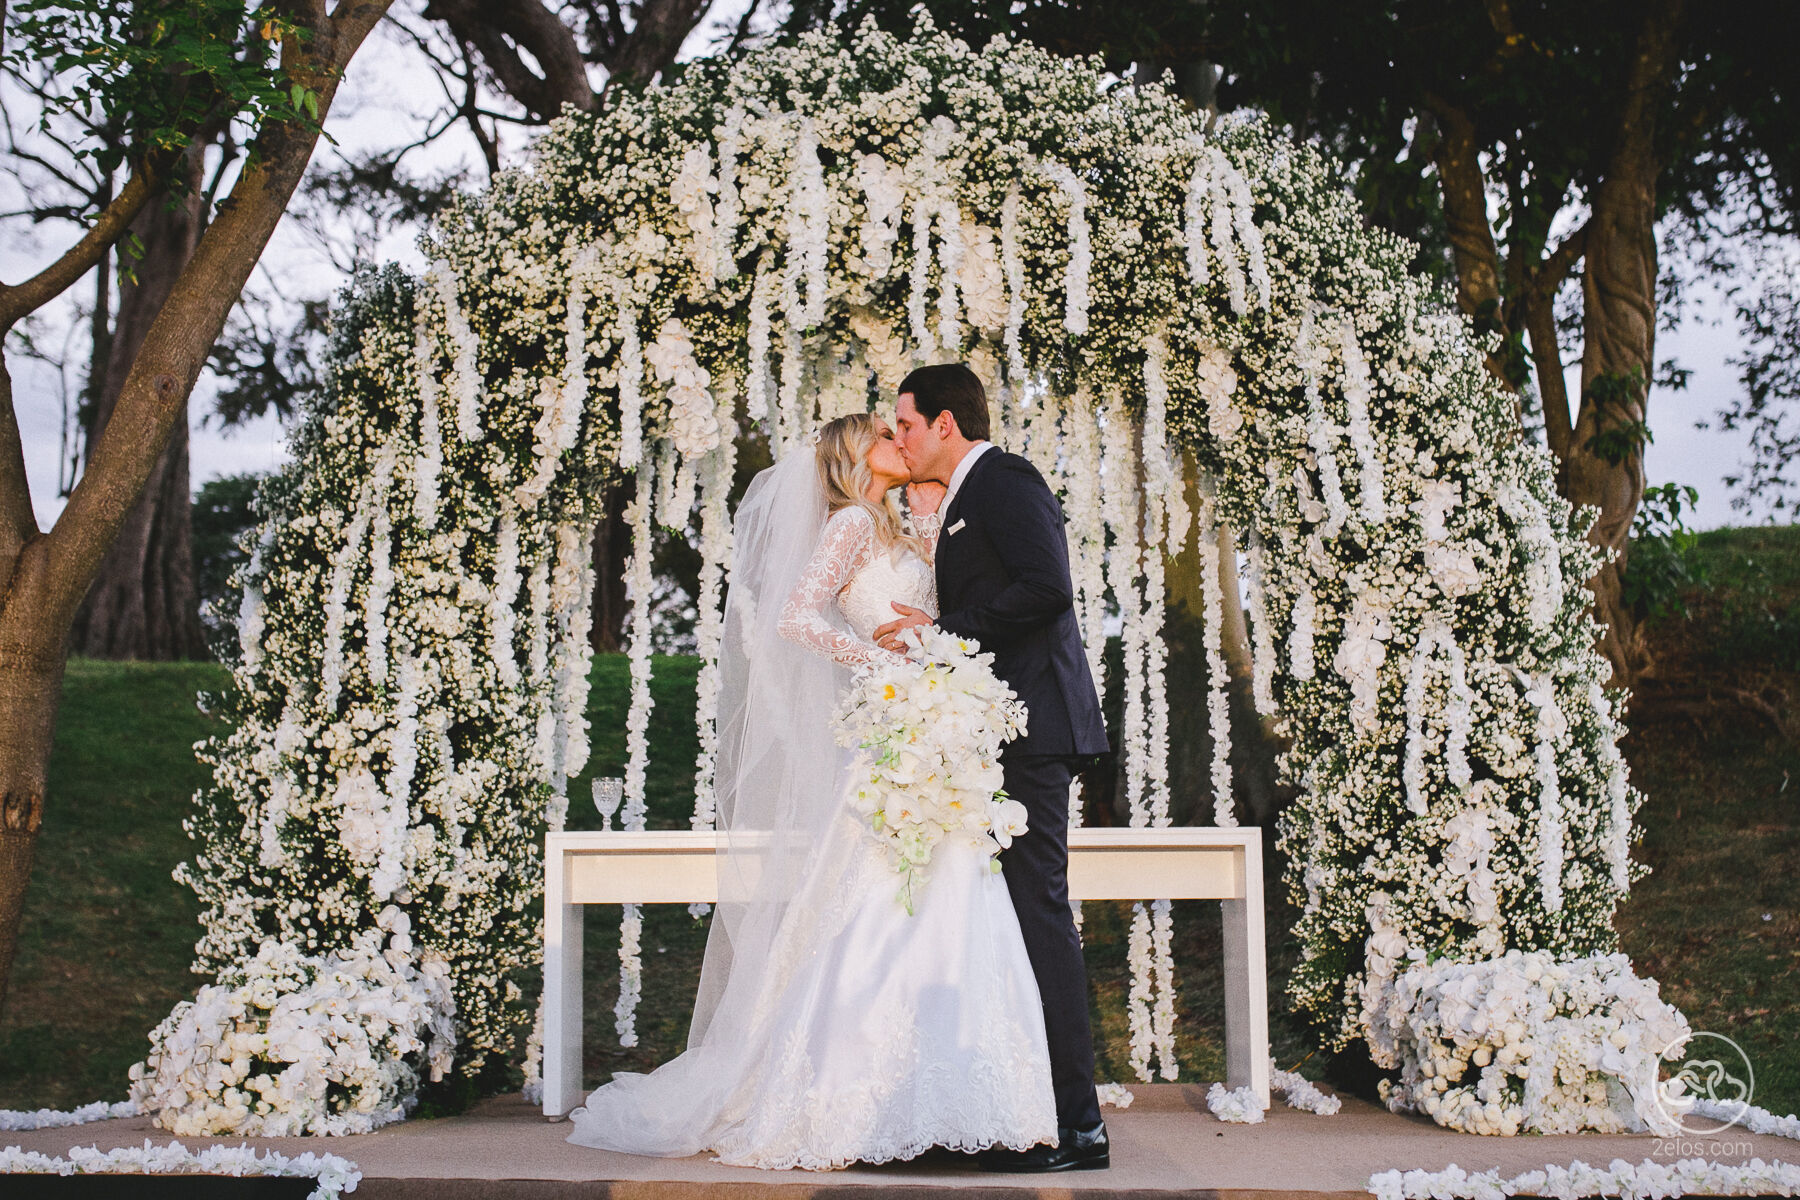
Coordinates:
[611,550]
[1605,467]
[144,603]
[31,672]
[1254,742]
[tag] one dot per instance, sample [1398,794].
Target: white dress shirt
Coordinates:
[956,480]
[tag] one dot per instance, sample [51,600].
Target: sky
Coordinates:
[384,95]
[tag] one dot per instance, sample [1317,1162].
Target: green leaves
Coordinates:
[1665,560]
[1613,393]
[147,79]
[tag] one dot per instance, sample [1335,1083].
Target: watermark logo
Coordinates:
[1704,1083]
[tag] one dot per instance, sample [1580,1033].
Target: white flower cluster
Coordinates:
[333,1176]
[693,425]
[17,1121]
[1114,1095]
[299,1045]
[1524,1043]
[1239,1106]
[928,734]
[1750,1116]
[1301,1093]
[1646,1180]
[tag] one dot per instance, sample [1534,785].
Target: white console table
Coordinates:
[677,867]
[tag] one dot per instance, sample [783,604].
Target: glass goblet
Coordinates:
[609,793]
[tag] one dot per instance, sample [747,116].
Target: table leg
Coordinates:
[1247,982]
[562,994]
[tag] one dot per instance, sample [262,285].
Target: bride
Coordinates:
[832,1027]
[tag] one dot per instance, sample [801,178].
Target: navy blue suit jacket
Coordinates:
[1003,579]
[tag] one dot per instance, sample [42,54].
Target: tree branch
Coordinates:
[1458,158]
[662,25]
[156,389]
[21,299]
[1537,314]
[499,29]
[18,524]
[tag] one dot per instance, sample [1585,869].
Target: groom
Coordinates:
[1003,579]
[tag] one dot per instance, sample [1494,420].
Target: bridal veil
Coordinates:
[779,784]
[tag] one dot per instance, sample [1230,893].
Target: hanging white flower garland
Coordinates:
[337,600]
[1551,725]
[631,383]
[1218,698]
[728,212]
[465,371]
[1012,262]
[428,465]
[1081,253]
[1262,636]
[1437,638]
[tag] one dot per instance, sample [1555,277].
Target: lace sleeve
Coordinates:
[847,546]
[926,525]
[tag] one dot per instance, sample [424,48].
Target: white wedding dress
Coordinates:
[868,1034]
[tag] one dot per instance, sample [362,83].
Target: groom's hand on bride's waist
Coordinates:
[888,636]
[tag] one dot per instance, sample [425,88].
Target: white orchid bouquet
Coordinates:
[1528,1043]
[290,1044]
[928,733]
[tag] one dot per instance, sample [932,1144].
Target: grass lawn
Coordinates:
[1717,922]
[107,934]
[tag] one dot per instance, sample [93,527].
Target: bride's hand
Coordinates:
[923,497]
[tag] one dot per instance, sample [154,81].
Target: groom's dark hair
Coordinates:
[952,388]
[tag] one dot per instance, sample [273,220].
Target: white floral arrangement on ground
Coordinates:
[928,733]
[1647,1180]
[294,1044]
[332,1175]
[1525,1043]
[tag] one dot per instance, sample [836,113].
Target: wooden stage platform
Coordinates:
[1165,1144]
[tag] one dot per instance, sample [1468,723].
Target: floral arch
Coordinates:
[764,244]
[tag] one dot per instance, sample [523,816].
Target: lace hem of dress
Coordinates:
[874,1155]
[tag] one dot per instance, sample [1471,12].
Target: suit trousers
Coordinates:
[1036,868]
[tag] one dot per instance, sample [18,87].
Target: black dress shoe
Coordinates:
[1075,1150]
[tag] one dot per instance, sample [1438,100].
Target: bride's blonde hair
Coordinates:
[843,450]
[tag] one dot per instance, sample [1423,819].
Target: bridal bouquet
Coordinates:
[928,733]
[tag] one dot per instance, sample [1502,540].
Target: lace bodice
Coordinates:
[849,569]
